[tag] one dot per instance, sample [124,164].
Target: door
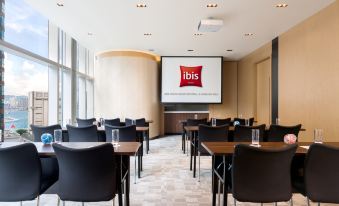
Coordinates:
[264,92]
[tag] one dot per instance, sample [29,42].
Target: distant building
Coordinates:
[38,108]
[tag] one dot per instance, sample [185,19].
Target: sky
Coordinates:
[26,28]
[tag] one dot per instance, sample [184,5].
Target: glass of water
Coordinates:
[58,135]
[277,121]
[247,122]
[115,137]
[318,136]
[0,137]
[214,122]
[255,137]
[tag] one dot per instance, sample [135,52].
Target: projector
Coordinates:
[210,25]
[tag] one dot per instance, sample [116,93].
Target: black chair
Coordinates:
[244,133]
[243,121]
[39,130]
[210,134]
[20,174]
[139,122]
[85,122]
[192,136]
[220,122]
[126,134]
[276,133]
[82,134]
[321,174]
[262,175]
[49,165]
[112,122]
[88,174]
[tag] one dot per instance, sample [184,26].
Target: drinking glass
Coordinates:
[134,122]
[277,121]
[255,137]
[318,136]
[247,122]
[58,135]
[214,122]
[102,122]
[115,137]
[0,137]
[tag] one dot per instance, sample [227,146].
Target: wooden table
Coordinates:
[226,149]
[125,150]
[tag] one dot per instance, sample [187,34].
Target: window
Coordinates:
[26,93]
[25,27]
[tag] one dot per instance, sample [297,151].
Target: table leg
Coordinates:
[135,168]
[127,182]
[147,141]
[225,181]
[120,182]
[194,157]
[214,180]
[191,151]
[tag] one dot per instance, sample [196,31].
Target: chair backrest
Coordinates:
[20,173]
[242,121]
[262,175]
[196,122]
[85,122]
[276,133]
[211,134]
[220,122]
[126,133]
[321,173]
[86,175]
[139,122]
[244,133]
[82,134]
[39,130]
[112,122]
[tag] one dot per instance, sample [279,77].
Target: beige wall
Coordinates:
[127,85]
[309,74]
[247,80]
[229,96]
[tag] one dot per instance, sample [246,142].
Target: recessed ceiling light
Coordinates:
[147,34]
[281,5]
[190,50]
[198,34]
[249,34]
[212,5]
[229,50]
[141,5]
[60,4]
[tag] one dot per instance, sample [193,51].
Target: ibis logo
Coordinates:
[190,76]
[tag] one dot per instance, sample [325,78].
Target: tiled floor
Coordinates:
[166,181]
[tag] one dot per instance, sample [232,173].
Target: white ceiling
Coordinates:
[120,25]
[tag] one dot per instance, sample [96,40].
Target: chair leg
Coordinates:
[275,204]
[262,204]
[235,202]
[135,168]
[219,201]
[83,204]
[20,203]
[291,201]
[38,200]
[58,201]
[318,203]
[199,166]
[64,203]
[113,202]
[308,201]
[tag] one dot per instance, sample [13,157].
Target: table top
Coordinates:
[139,129]
[225,148]
[125,148]
[231,128]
